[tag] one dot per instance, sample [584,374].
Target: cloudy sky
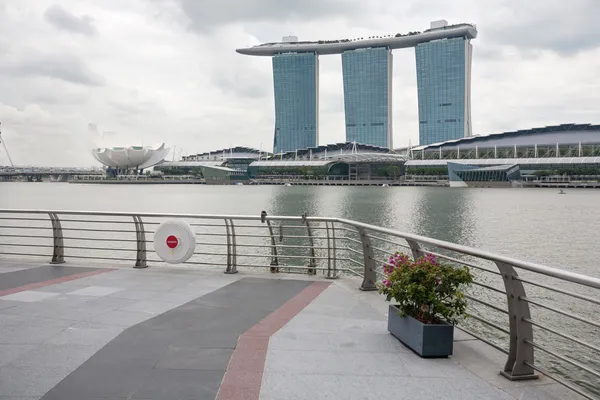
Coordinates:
[166,70]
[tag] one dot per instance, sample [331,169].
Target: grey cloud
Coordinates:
[130,108]
[248,83]
[205,15]
[64,20]
[65,67]
[563,27]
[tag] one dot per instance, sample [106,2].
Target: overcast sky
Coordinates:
[167,71]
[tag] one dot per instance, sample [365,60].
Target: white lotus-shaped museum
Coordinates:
[138,157]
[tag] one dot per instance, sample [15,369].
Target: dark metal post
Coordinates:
[370,274]
[231,248]
[274,259]
[58,252]
[521,332]
[140,234]
[312,264]
[331,250]
[417,252]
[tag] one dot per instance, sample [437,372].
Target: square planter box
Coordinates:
[427,340]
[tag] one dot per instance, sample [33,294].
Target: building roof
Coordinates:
[339,46]
[554,130]
[335,158]
[327,151]
[505,161]
[192,163]
[288,163]
[131,156]
[492,168]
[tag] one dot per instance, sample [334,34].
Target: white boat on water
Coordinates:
[288,184]
[385,185]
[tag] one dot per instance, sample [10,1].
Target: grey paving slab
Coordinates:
[122,317]
[313,323]
[64,358]
[83,335]
[32,321]
[176,296]
[335,363]
[96,291]
[38,274]
[179,354]
[548,391]
[67,300]
[328,387]
[133,294]
[31,309]
[5,269]
[485,362]
[101,381]
[28,381]
[29,296]
[9,353]
[179,384]
[18,334]
[205,359]
[151,307]
[64,287]
[19,398]
[7,303]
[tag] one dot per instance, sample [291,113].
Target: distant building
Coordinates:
[296,84]
[339,161]
[224,166]
[368,80]
[137,158]
[444,89]
[444,85]
[566,150]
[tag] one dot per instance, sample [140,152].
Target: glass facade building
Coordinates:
[367,75]
[444,89]
[296,84]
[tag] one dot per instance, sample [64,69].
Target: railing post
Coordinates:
[520,351]
[58,252]
[312,264]
[331,249]
[140,235]
[231,248]
[274,260]
[417,252]
[370,274]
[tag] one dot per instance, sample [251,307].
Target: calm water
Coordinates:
[532,224]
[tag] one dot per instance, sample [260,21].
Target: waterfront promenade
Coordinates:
[81,331]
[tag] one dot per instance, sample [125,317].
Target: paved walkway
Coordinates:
[96,333]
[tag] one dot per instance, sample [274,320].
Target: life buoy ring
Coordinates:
[174,241]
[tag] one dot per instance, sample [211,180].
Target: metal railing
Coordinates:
[544,319]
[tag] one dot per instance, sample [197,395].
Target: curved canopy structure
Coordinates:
[138,157]
[339,46]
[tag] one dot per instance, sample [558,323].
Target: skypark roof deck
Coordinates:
[326,47]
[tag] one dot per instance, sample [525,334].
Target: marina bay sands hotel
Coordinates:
[443,56]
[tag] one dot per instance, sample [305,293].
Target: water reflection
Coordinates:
[294,200]
[445,214]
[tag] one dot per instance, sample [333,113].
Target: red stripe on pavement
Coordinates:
[67,278]
[243,378]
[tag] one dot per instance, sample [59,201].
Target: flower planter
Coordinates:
[427,340]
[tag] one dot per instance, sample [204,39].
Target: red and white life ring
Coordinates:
[174,241]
